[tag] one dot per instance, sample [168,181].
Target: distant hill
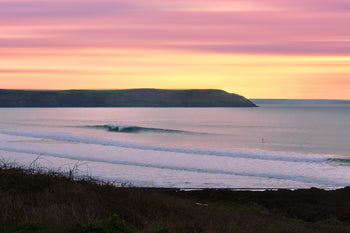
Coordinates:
[123,98]
[299,101]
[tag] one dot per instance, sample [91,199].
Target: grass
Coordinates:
[36,201]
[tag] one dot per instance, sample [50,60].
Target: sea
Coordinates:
[268,147]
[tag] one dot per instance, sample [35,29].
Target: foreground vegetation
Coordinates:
[32,201]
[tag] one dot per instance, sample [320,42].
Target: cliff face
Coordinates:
[123,98]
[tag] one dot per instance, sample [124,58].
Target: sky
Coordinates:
[256,48]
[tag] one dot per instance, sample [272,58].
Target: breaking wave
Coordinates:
[232,165]
[233,153]
[139,129]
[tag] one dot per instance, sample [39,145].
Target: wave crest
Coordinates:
[138,129]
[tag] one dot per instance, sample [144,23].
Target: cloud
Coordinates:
[330,48]
[267,27]
[50,71]
[60,9]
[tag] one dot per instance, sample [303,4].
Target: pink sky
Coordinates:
[266,49]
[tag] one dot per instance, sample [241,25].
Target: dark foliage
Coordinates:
[32,201]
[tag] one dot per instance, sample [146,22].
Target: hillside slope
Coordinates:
[123,98]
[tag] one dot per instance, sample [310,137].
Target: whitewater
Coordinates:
[252,148]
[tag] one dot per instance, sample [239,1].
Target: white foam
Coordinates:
[236,153]
[155,177]
[150,164]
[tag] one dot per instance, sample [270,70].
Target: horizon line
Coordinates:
[152,88]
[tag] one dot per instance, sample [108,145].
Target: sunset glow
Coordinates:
[259,49]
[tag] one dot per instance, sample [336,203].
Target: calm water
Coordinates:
[272,146]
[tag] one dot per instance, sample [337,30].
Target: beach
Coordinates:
[270,147]
[175,169]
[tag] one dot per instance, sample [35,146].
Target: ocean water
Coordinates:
[272,146]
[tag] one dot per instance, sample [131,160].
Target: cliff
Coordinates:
[122,98]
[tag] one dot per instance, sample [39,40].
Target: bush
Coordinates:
[112,225]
